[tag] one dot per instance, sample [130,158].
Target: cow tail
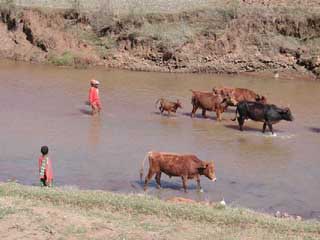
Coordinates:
[236,115]
[156,103]
[142,165]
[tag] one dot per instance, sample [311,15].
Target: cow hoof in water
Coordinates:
[201,190]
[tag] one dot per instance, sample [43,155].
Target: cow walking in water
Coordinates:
[209,101]
[240,94]
[166,105]
[172,164]
[267,113]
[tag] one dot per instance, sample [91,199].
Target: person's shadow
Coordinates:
[85,111]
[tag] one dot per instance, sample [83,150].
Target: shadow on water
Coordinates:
[245,128]
[199,116]
[85,111]
[251,129]
[165,185]
[314,129]
[165,114]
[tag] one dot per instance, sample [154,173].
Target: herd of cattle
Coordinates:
[249,105]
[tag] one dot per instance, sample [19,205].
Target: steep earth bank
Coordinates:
[229,38]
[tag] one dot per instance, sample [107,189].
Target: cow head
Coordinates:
[178,104]
[286,114]
[261,99]
[207,169]
[229,100]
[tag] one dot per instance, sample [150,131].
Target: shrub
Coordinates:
[66,59]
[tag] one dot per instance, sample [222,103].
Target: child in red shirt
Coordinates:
[45,168]
[94,98]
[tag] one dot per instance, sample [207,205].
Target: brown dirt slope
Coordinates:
[230,37]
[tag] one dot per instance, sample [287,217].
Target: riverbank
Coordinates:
[61,213]
[220,37]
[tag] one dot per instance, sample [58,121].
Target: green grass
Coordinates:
[65,59]
[4,211]
[232,223]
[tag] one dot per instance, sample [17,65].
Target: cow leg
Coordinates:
[270,127]
[158,177]
[241,122]
[204,113]
[198,183]
[184,183]
[194,109]
[161,110]
[219,115]
[264,127]
[148,178]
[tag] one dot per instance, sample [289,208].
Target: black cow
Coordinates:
[267,113]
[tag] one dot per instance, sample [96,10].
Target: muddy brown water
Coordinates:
[45,105]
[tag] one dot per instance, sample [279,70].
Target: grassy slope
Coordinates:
[34,213]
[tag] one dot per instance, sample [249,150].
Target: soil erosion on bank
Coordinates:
[224,37]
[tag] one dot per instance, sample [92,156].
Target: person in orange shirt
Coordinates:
[45,168]
[94,98]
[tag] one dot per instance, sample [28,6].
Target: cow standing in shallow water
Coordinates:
[184,166]
[240,94]
[168,106]
[267,113]
[209,101]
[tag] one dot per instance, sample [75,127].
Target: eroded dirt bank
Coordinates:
[227,38]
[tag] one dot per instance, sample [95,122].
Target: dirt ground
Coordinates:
[233,37]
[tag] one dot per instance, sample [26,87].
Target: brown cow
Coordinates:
[172,164]
[240,94]
[168,106]
[209,101]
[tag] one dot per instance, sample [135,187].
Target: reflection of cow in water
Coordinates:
[267,113]
[168,106]
[184,166]
[240,94]
[209,101]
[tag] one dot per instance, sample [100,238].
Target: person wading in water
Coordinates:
[94,98]
[45,168]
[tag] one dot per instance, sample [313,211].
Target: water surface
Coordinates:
[45,105]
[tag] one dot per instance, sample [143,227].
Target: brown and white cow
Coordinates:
[209,101]
[240,94]
[166,105]
[172,164]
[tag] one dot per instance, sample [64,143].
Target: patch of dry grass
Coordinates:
[99,215]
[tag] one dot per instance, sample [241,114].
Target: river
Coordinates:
[46,105]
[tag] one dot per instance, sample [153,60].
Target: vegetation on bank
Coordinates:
[61,213]
[218,36]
